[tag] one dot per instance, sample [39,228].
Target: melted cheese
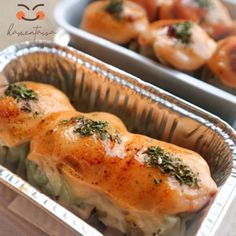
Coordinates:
[82,198]
[114,216]
[122,190]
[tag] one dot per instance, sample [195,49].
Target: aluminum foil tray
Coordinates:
[95,86]
[68,15]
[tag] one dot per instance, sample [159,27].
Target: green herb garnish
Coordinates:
[181,31]
[158,158]
[203,3]
[87,127]
[20,92]
[115,7]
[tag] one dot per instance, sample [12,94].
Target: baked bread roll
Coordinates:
[116,20]
[179,43]
[138,185]
[223,63]
[211,15]
[23,105]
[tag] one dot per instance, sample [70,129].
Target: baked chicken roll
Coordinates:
[211,15]
[119,21]
[223,64]
[22,106]
[138,185]
[181,44]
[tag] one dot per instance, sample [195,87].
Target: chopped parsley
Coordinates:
[87,127]
[115,8]
[22,94]
[181,31]
[156,157]
[203,3]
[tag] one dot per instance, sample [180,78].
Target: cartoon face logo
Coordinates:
[21,15]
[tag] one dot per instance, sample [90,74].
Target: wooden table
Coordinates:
[10,223]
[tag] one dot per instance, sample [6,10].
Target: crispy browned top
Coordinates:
[172,50]
[223,61]
[131,21]
[211,15]
[118,169]
[19,119]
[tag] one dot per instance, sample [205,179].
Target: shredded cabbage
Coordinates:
[134,223]
[14,158]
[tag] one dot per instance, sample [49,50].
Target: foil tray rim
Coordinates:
[226,132]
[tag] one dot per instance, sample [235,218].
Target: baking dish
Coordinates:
[68,15]
[94,86]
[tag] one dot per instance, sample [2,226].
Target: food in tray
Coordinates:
[179,43]
[23,105]
[117,21]
[179,37]
[222,65]
[135,184]
[138,185]
[212,15]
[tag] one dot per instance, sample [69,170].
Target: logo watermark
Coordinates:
[22,15]
[26,14]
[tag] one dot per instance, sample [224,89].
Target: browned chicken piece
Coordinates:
[179,43]
[23,105]
[223,62]
[116,20]
[137,184]
[212,15]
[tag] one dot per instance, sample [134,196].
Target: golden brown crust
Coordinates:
[99,22]
[18,123]
[119,169]
[172,51]
[223,61]
[8,108]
